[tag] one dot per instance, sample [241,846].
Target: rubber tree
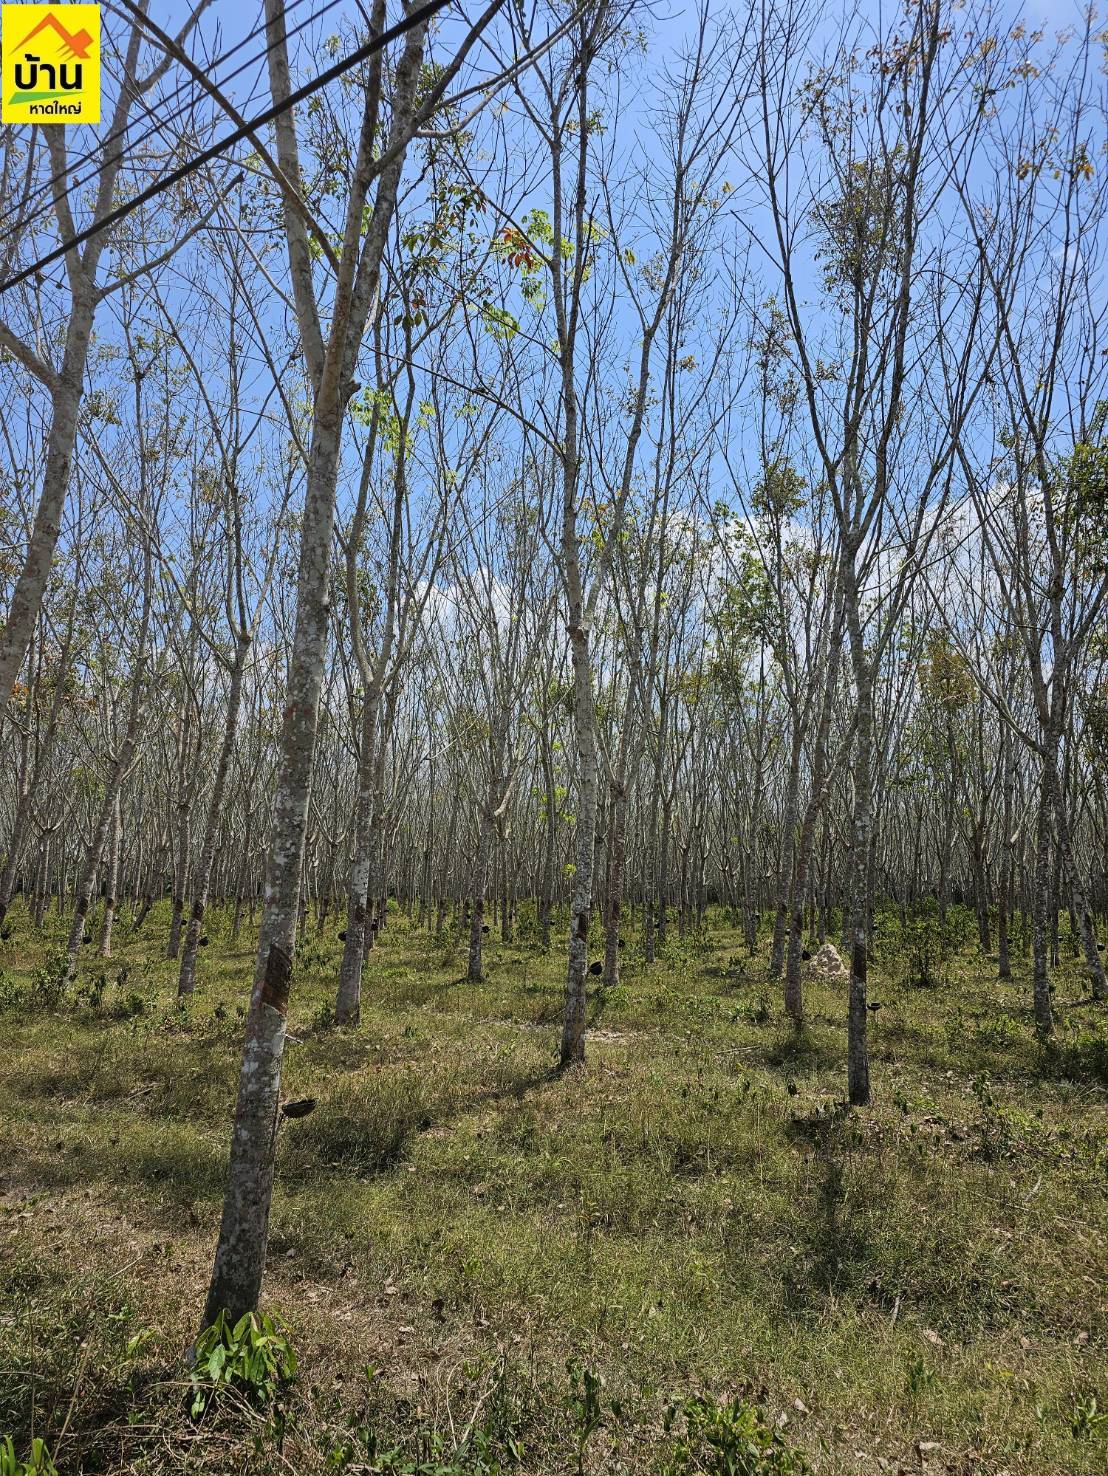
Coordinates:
[393,107]
[874,148]
[64,381]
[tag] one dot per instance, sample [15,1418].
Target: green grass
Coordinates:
[458,1231]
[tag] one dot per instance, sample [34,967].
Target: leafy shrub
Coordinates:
[128,1005]
[254,1357]
[38,1463]
[49,981]
[683,957]
[92,992]
[754,1011]
[12,995]
[927,953]
[729,1439]
[310,957]
[1087,1420]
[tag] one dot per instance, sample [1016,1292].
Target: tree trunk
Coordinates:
[112,882]
[573,1026]
[95,850]
[1044,894]
[348,1005]
[787,863]
[1080,911]
[186,981]
[617,856]
[858,1084]
[244,1227]
[480,886]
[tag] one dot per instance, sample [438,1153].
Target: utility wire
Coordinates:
[74,165]
[374,44]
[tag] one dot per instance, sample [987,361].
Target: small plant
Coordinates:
[49,982]
[729,1439]
[92,993]
[128,1005]
[324,1017]
[755,1011]
[364,1450]
[12,995]
[927,952]
[254,1357]
[138,1340]
[311,955]
[999,1032]
[1087,1419]
[995,1128]
[919,1375]
[586,1406]
[38,1463]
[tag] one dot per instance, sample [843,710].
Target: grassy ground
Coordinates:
[461,1239]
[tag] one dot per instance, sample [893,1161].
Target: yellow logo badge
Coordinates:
[51,64]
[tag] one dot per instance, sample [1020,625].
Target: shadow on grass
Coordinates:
[368,1129]
[800,1050]
[170,1170]
[836,1245]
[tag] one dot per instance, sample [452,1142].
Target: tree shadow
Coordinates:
[798,1049]
[835,1246]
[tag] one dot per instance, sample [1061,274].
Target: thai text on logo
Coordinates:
[51,64]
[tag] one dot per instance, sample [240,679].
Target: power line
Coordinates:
[375,44]
[73,165]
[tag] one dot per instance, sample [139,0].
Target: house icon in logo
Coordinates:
[51,64]
[71,45]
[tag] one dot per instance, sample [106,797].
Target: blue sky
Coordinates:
[225,24]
